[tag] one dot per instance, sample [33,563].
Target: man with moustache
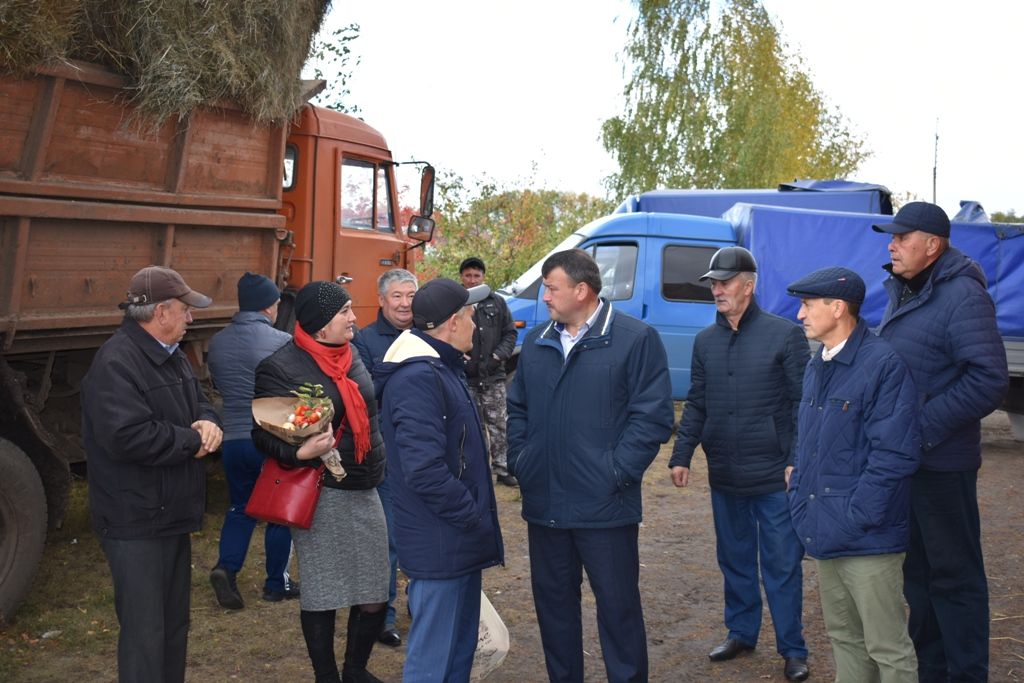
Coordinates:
[942,322]
[746,375]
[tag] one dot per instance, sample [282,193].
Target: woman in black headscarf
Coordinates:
[343,556]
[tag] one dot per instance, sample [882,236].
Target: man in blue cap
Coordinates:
[234,354]
[858,444]
[942,321]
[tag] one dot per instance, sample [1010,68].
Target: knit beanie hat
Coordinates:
[318,302]
[256,292]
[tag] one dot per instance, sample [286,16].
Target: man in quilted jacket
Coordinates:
[857,446]
[942,321]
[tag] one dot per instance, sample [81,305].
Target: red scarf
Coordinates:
[335,362]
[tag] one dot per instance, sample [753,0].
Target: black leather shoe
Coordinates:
[508,480]
[796,669]
[226,588]
[290,592]
[390,637]
[728,650]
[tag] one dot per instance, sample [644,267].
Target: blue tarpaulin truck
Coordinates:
[655,246]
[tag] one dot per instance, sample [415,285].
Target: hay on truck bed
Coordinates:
[175,54]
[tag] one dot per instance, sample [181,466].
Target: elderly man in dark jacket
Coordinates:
[942,321]
[858,444]
[746,375]
[587,411]
[445,514]
[395,291]
[145,425]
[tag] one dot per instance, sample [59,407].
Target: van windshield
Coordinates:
[530,280]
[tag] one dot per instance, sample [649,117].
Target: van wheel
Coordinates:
[22,527]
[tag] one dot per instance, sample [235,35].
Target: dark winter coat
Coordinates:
[442,498]
[234,354]
[495,335]
[947,335]
[138,405]
[744,394]
[858,444]
[290,367]
[374,340]
[582,431]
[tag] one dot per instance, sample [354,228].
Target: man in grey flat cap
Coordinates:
[145,425]
[858,444]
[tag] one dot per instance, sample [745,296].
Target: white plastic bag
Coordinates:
[492,643]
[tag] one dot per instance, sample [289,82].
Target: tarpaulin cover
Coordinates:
[789,243]
[832,195]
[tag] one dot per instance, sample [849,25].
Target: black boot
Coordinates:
[363,629]
[318,630]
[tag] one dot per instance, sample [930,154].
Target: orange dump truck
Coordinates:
[89,194]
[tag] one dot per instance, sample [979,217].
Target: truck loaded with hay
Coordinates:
[171,132]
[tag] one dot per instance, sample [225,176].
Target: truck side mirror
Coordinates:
[421,228]
[427,191]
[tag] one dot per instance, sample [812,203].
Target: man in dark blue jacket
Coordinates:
[587,411]
[234,354]
[395,291]
[746,375]
[942,322]
[445,513]
[858,443]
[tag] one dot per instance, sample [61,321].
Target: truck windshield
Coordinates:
[529,281]
[365,196]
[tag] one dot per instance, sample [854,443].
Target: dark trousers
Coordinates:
[944,578]
[242,464]
[612,560]
[752,531]
[151,577]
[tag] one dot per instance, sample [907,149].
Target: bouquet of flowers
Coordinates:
[296,419]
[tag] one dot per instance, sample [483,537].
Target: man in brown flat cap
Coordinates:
[145,425]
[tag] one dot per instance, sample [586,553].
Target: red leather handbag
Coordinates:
[285,495]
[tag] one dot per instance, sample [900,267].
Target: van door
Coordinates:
[677,303]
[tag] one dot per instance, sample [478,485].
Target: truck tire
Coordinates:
[22,527]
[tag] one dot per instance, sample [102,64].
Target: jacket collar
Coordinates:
[384,325]
[853,342]
[244,317]
[146,342]
[601,328]
[753,310]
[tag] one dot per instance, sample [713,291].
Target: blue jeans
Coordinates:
[384,491]
[242,463]
[944,578]
[445,628]
[749,528]
[612,560]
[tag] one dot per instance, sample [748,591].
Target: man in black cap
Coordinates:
[444,511]
[858,445]
[942,321]
[746,375]
[234,354]
[145,425]
[493,344]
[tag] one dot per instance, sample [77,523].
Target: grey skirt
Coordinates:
[343,557]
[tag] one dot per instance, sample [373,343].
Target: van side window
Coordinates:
[291,153]
[365,193]
[681,269]
[617,263]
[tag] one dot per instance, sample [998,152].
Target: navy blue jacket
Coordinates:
[744,394]
[582,430]
[444,511]
[138,406]
[858,444]
[947,335]
[234,354]
[374,340]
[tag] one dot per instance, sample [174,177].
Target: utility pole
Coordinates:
[935,165]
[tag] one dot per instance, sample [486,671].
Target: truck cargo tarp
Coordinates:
[836,196]
[789,243]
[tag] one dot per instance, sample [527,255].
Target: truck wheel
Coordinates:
[22,527]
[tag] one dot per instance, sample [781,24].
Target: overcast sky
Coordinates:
[517,91]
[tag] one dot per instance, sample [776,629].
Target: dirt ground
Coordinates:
[68,631]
